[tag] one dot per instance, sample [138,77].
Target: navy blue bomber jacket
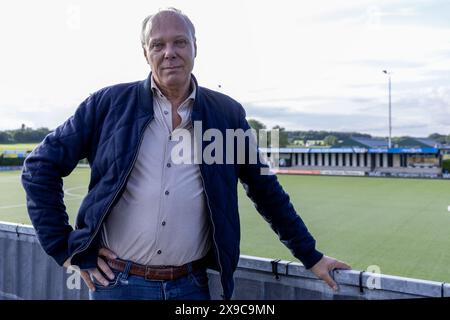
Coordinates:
[107,129]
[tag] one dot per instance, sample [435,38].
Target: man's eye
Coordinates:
[181,43]
[157,45]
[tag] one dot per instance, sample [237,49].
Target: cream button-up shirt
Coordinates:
[161,217]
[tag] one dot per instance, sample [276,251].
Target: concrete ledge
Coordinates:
[358,284]
[17,229]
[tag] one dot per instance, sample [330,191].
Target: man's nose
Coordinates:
[170,52]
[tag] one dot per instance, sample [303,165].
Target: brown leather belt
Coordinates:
[156,272]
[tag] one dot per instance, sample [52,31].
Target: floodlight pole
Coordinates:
[390,112]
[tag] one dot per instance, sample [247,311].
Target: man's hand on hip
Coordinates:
[323,267]
[88,274]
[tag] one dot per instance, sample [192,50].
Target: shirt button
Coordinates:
[170,138]
[166,112]
[166,193]
[169,165]
[158,252]
[163,223]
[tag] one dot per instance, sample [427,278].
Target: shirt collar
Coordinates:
[158,92]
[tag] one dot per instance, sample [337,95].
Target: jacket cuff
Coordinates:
[311,259]
[60,257]
[87,259]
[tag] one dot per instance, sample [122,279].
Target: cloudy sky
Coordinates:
[299,64]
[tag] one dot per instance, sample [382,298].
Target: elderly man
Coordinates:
[149,227]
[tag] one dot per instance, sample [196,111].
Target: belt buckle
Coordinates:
[147,273]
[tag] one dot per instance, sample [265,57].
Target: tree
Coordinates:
[4,137]
[255,124]
[28,135]
[438,137]
[330,140]
[283,136]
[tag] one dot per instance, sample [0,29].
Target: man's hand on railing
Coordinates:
[322,270]
[88,274]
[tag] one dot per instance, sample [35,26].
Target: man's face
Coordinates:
[170,51]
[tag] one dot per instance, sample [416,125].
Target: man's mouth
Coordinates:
[172,68]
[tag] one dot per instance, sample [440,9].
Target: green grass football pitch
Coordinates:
[17,146]
[401,226]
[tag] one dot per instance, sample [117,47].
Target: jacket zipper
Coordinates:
[212,223]
[117,191]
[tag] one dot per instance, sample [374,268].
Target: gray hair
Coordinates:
[147,23]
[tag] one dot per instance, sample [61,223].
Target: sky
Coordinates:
[303,65]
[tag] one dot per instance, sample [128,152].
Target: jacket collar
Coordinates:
[146,98]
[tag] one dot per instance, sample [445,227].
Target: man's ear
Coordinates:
[195,49]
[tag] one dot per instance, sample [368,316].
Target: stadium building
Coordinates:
[412,157]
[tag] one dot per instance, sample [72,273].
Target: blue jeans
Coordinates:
[125,286]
